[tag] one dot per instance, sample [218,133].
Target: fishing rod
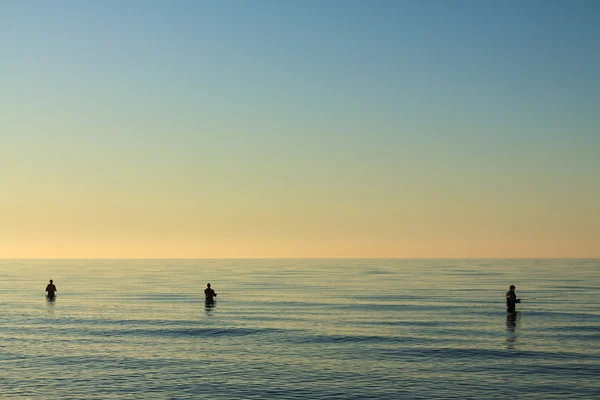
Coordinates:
[560,295]
[535,298]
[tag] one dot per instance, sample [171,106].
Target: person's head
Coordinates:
[512,287]
[50,280]
[208,285]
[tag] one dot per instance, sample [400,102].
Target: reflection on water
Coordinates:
[511,329]
[50,303]
[209,305]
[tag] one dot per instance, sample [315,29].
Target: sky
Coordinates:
[300,129]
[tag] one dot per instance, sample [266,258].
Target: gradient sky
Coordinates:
[299,129]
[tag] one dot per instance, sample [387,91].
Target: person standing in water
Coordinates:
[209,294]
[51,289]
[511,300]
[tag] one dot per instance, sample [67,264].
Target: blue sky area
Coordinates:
[468,127]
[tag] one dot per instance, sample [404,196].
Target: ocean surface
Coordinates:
[299,329]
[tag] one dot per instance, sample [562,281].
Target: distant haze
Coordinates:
[299,129]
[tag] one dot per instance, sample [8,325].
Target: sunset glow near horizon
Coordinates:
[304,129]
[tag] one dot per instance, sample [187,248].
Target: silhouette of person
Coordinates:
[51,289]
[209,294]
[511,300]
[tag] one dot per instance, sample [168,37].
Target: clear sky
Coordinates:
[299,129]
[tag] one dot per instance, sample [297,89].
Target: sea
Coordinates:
[300,329]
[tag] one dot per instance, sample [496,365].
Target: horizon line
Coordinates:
[298,258]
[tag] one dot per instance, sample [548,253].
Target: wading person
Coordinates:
[511,300]
[51,290]
[209,294]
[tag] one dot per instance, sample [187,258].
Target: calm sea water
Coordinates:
[299,329]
